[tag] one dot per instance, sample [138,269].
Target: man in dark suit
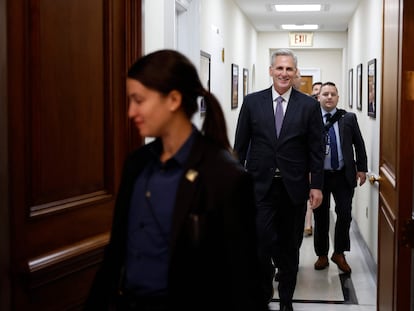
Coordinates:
[279,139]
[342,172]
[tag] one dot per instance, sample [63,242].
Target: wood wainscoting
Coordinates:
[64,65]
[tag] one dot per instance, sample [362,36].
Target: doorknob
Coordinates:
[374,178]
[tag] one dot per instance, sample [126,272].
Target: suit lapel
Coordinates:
[341,128]
[187,190]
[269,114]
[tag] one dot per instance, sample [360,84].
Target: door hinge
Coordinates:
[408,233]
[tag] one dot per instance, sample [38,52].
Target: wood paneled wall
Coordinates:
[68,134]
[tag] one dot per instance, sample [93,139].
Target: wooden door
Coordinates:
[306,84]
[396,157]
[68,135]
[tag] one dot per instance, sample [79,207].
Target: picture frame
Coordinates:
[372,88]
[234,86]
[359,87]
[205,76]
[245,81]
[351,88]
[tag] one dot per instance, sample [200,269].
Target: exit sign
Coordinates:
[297,39]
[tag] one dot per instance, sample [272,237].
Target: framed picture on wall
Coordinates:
[350,88]
[359,87]
[234,86]
[205,68]
[372,79]
[245,81]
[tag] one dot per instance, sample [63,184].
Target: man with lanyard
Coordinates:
[342,172]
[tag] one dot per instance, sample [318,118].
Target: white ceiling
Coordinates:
[335,17]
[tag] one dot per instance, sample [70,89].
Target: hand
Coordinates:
[362,176]
[315,198]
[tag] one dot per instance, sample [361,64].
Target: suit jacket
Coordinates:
[213,240]
[298,151]
[351,139]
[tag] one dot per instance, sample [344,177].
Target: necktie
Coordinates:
[332,144]
[279,114]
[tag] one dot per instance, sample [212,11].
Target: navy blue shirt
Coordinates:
[149,222]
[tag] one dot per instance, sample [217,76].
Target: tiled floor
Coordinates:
[324,291]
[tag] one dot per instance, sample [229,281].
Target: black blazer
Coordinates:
[213,261]
[351,139]
[298,151]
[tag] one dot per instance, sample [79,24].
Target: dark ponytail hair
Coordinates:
[167,70]
[214,124]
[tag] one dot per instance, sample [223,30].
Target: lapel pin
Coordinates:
[191,175]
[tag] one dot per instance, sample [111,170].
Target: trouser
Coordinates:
[280,230]
[335,183]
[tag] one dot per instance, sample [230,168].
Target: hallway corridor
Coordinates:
[329,289]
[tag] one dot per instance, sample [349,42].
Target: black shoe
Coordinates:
[284,307]
[273,294]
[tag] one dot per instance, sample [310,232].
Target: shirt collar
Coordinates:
[285,95]
[182,154]
[332,112]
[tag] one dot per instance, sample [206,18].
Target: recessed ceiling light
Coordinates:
[298,7]
[300,27]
